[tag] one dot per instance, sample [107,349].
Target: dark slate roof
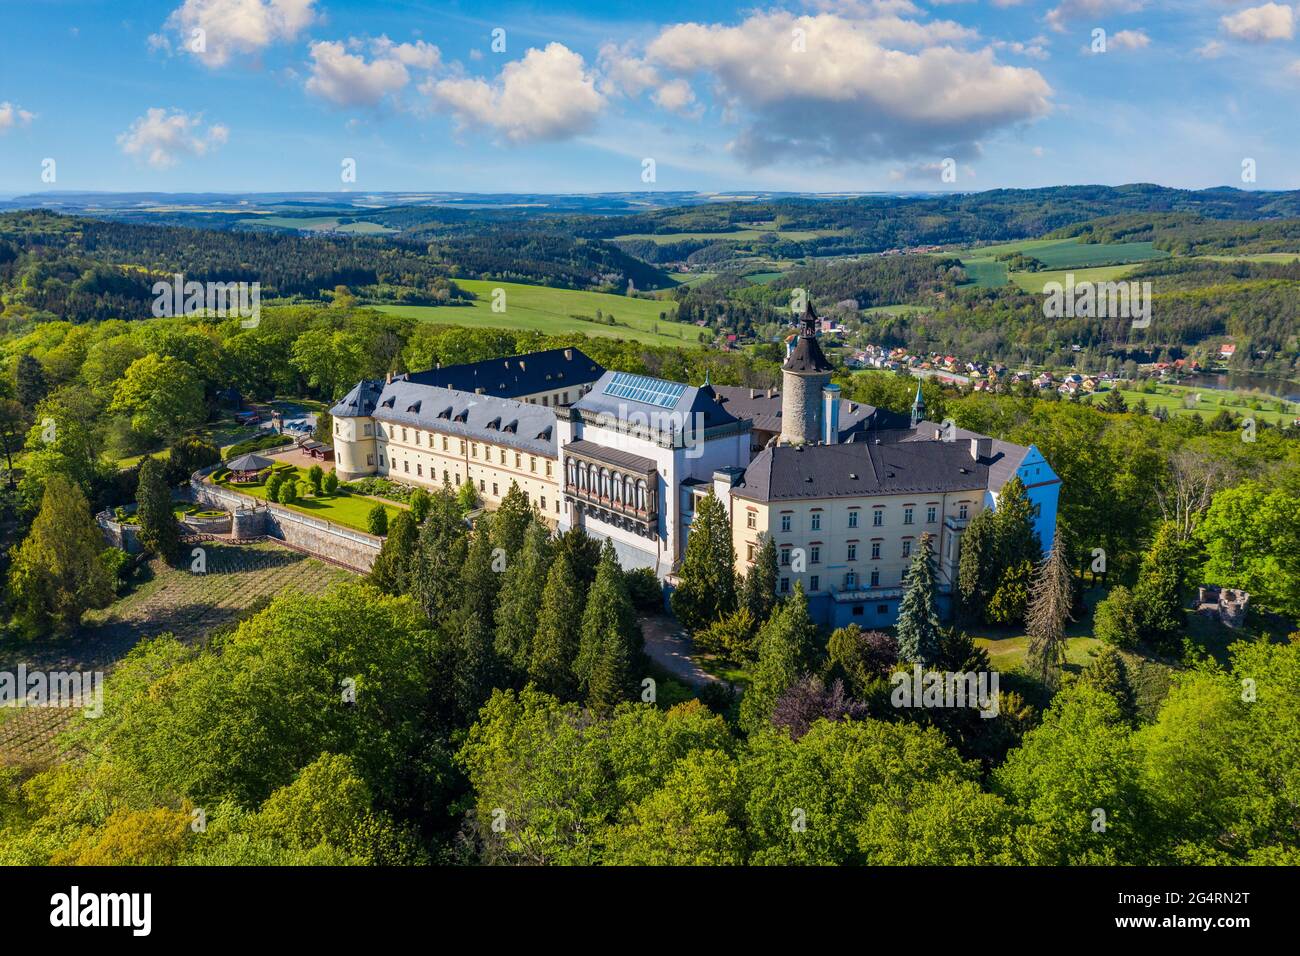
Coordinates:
[701,400]
[502,421]
[807,355]
[1003,461]
[612,456]
[516,375]
[791,472]
[360,402]
[856,418]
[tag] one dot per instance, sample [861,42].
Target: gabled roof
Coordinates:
[856,418]
[1004,461]
[662,404]
[516,375]
[501,421]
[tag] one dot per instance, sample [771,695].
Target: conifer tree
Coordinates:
[608,629]
[475,665]
[787,647]
[480,577]
[511,520]
[439,556]
[391,572]
[1109,674]
[160,532]
[559,624]
[520,599]
[758,592]
[1050,598]
[377,520]
[706,588]
[919,634]
[1158,595]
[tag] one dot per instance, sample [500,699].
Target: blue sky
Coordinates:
[822,95]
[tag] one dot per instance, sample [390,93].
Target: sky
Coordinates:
[625,95]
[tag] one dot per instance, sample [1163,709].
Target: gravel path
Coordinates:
[669,646]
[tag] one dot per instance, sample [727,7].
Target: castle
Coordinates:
[845,489]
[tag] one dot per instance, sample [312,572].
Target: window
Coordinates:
[785,585]
[850,580]
[907,547]
[815,554]
[518,460]
[532,464]
[445,475]
[381,459]
[907,515]
[370,459]
[882,609]
[751,519]
[875,579]
[419,470]
[473,450]
[462,446]
[417,438]
[543,502]
[962,510]
[482,485]
[406,467]
[878,517]
[367,430]
[814,583]
[503,456]
[785,522]
[495,493]
[853,552]
[444,442]
[566,398]
[749,552]
[816,520]
[403,434]
[853,519]
[785,555]
[875,551]
[457,477]
[857,610]
[548,468]
[930,514]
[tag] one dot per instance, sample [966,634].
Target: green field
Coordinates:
[552,311]
[691,278]
[1095,262]
[762,278]
[1034,281]
[1188,400]
[1282,257]
[985,273]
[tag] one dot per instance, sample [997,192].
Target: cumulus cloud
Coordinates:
[1059,16]
[1210,50]
[348,79]
[163,137]
[848,97]
[214,31]
[623,73]
[1129,40]
[676,96]
[1272,21]
[548,95]
[12,115]
[1035,49]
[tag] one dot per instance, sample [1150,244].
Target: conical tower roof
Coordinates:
[807,355]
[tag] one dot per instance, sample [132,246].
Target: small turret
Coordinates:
[805,373]
[918,407]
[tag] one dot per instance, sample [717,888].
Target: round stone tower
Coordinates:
[806,372]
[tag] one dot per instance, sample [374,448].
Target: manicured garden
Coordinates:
[333,503]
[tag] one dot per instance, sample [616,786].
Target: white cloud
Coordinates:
[848,97]
[12,116]
[349,79]
[1035,49]
[1060,15]
[1129,40]
[548,95]
[1210,50]
[624,73]
[1272,21]
[229,28]
[163,137]
[676,96]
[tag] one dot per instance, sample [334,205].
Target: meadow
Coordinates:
[556,311]
[1094,262]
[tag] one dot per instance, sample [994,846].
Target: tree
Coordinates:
[559,622]
[467,497]
[977,568]
[918,616]
[475,665]
[30,383]
[758,592]
[860,658]
[162,395]
[809,700]
[420,502]
[13,423]
[1050,598]
[316,478]
[1252,541]
[377,521]
[731,637]
[1108,673]
[189,454]
[391,572]
[441,552]
[1114,402]
[323,431]
[287,493]
[511,520]
[610,638]
[56,573]
[520,599]
[787,646]
[480,576]
[1158,596]
[330,483]
[1115,620]
[706,588]
[160,532]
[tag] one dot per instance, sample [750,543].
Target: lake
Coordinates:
[1246,381]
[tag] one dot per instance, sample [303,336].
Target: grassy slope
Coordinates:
[552,311]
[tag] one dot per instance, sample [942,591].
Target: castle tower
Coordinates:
[805,373]
[918,407]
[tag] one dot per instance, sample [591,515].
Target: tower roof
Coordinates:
[807,355]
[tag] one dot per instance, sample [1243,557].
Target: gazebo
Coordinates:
[246,467]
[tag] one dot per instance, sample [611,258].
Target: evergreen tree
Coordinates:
[758,592]
[787,646]
[510,521]
[583,552]
[440,554]
[1109,674]
[57,573]
[391,572]
[520,599]
[419,504]
[559,625]
[30,383]
[480,577]
[474,671]
[160,532]
[1050,598]
[706,588]
[919,635]
[1158,596]
[377,520]
[608,629]
[977,568]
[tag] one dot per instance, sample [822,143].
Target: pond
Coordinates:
[1246,381]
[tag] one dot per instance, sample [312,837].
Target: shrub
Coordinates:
[316,476]
[288,492]
[1115,621]
[377,521]
[330,483]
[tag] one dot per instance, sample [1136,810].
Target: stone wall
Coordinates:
[323,539]
[801,407]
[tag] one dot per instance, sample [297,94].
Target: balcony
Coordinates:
[611,511]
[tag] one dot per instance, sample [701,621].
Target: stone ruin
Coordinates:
[1227,604]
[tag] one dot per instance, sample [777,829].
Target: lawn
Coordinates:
[558,311]
[349,510]
[1209,402]
[985,273]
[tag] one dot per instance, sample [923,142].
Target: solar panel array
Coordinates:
[643,388]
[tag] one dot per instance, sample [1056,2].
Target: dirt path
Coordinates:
[669,646]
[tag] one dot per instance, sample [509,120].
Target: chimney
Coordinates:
[771,392]
[981,448]
[568,355]
[830,414]
[480,390]
[388,379]
[753,393]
